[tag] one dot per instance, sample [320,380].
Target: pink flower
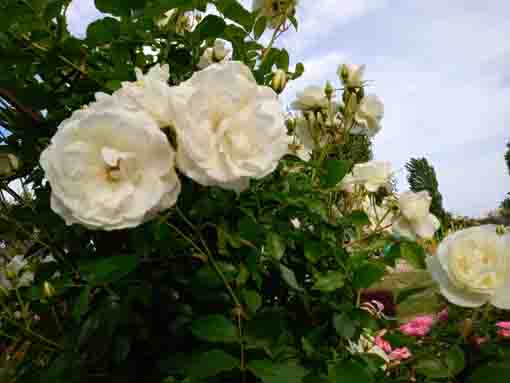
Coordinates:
[503,325]
[383,344]
[400,354]
[419,326]
[443,315]
[504,333]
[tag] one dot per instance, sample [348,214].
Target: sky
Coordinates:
[442,69]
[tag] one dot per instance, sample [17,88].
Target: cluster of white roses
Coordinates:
[321,119]
[405,214]
[111,166]
[15,274]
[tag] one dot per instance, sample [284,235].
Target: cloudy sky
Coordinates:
[442,69]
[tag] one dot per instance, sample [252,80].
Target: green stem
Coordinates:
[34,334]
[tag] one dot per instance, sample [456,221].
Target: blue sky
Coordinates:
[442,69]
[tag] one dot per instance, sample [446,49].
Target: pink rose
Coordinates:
[443,315]
[382,343]
[504,329]
[419,326]
[503,325]
[400,354]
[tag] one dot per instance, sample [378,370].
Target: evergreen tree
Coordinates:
[422,176]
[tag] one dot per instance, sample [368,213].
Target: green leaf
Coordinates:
[272,372]
[119,7]
[214,328]
[298,72]
[367,274]
[358,218]
[350,371]
[335,171]
[275,246]
[235,12]
[283,60]
[491,373]
[211,363]
[293,21]
[329,282]
[211,27]
[344,326]
[81,307]
[103,31]
[432,368]
[290,278]
[260,27]
[455,360]
[313,250]
[121,349]
[414,254]
[252,299]
[108,270]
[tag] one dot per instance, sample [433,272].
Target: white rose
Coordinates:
[415,219]
[368,116]
[472,267]
[312,98]
[15,273]
[351,75]
[217,54]
[372,175]
[149,93]
[229,129]
[110,169]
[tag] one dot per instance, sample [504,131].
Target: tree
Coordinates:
[422,176]
[507,156]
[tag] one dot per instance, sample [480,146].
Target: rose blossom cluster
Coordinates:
[111,166]
[322,120]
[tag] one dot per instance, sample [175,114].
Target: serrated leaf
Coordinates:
[214,328]
[211,363]
[290,278]
[275,246]
[103,31]
[344,326]
[235,12]
[260,27]
[272,372]
[108,270]
[350,371]
[367,274]
[334,172]
[414,254]
[210,27]
[329,282]
[313,250]
[252,299]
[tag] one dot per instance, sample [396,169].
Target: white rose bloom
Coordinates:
[351,75]
[415,219]
[149,93]
[15,274]
[217,54]
[372,175]
[312,98]
[368,116]
[472,267]
[366,345]
[110,169]
[229,129]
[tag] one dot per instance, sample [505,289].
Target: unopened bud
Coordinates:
[466,328]
[279,81]
[9,163]
[48,289]
[220,51]
[343,73]
[328,90]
